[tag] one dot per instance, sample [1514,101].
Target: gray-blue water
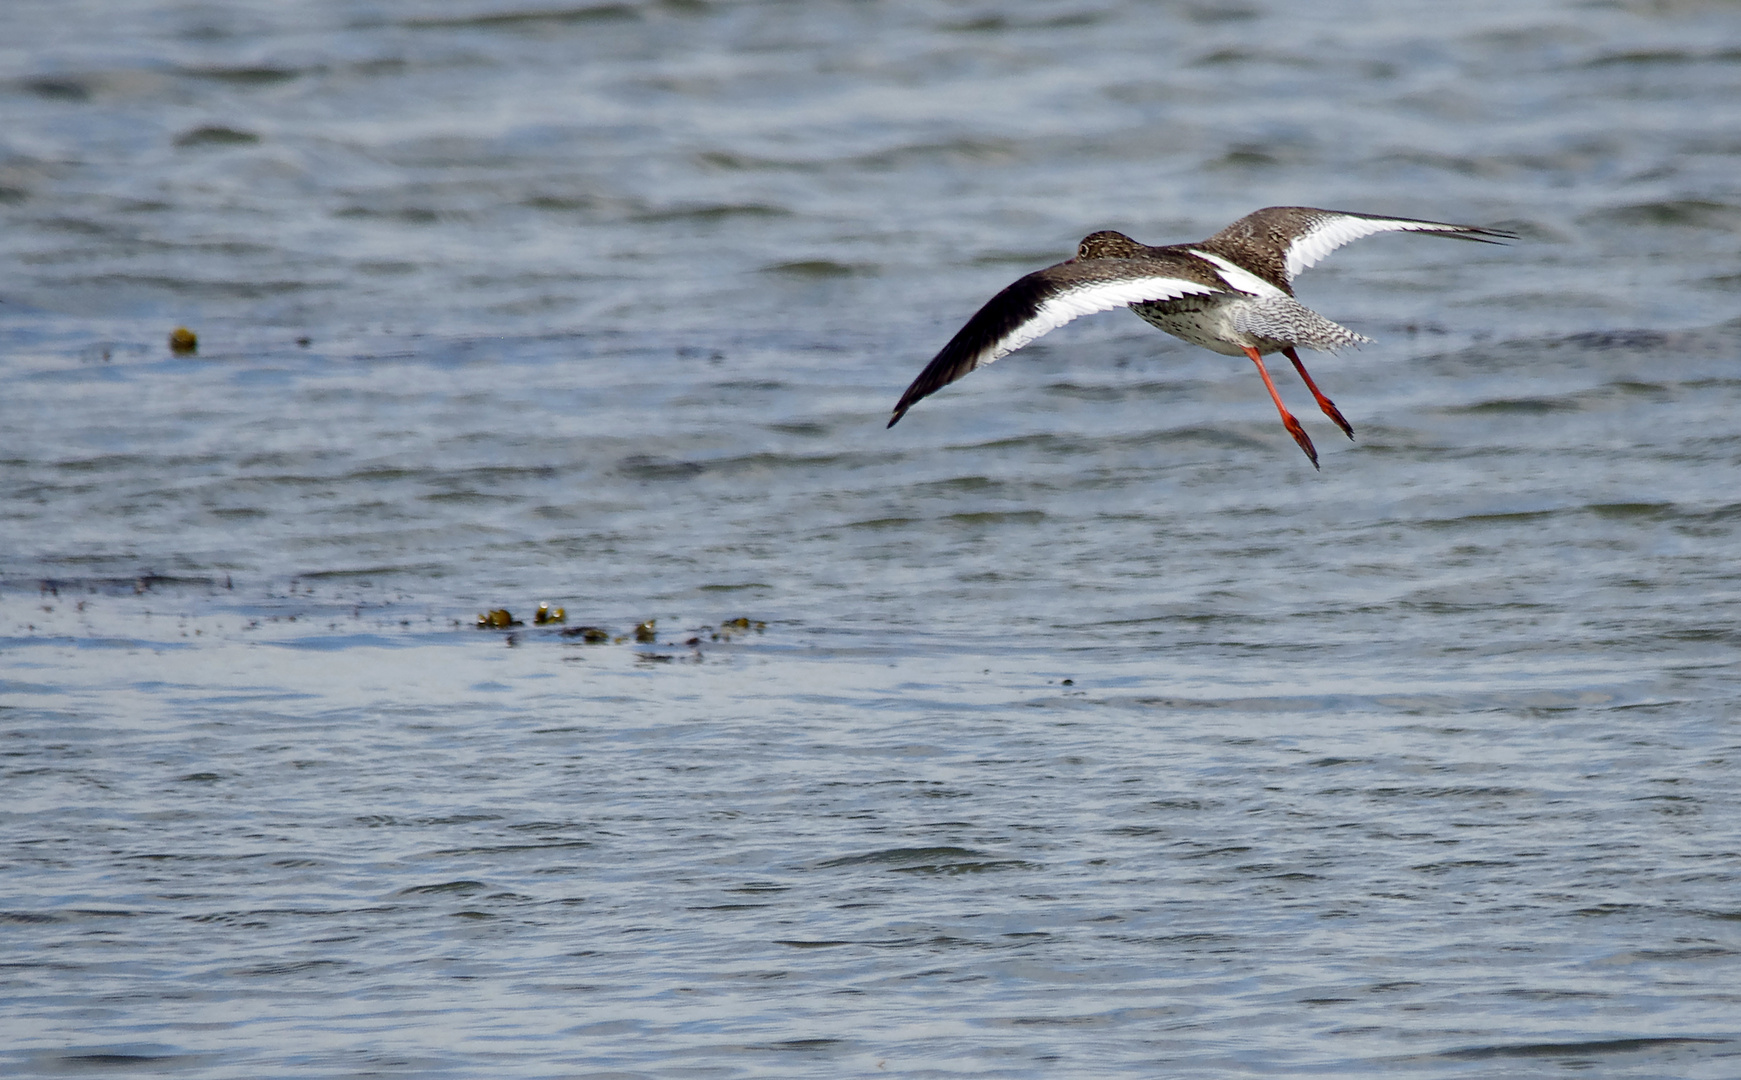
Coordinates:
[1074,727]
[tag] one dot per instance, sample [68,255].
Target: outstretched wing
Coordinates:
[1282,241]
[1045,300]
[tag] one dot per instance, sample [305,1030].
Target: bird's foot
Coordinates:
[1324,403]
[1300,436]
[1335,414]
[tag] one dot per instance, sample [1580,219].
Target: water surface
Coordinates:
[1073,727]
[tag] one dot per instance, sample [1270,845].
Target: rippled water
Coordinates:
[1073,727]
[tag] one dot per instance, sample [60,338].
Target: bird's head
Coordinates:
[1108,245]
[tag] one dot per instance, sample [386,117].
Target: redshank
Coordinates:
[1233,294]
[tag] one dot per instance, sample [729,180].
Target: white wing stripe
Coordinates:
[1334,230]
[1087,299]
[1239,277]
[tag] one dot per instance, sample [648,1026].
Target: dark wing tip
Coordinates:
[950,364]
[991,324]
[1480,235]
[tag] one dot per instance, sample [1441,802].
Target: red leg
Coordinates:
[1324,403]
[1288,421]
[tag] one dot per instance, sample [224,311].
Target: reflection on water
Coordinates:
[1084,729]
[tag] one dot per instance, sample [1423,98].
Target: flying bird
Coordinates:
[1232,293]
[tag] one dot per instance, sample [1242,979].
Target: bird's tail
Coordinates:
[1283,318]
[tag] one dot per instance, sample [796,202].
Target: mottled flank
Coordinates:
[1272,323]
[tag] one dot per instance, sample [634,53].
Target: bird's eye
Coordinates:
[1082,251]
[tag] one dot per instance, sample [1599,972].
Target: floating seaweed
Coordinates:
[645,632]
[732,627]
